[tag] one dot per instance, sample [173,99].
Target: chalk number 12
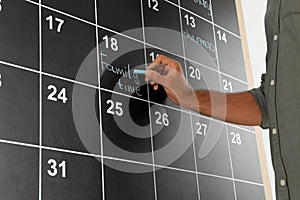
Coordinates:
[153,4]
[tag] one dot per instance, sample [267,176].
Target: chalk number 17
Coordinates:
[54,21]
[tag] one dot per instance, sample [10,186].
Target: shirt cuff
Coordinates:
[259,96]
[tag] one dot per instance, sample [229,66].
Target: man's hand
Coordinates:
[239,108]
[168,73]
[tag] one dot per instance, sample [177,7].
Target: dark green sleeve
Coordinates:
[259,95]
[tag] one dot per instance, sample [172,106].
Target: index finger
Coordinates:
[163,60]
[156,67]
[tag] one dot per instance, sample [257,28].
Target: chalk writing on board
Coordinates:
[126,73]
[204,3]
[198,40]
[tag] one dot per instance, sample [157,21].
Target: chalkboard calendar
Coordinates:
[76,122]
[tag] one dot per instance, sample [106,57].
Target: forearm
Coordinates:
[238,108]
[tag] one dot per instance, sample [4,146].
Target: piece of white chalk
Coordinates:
[139,71]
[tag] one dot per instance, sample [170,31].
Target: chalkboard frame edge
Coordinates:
[249,74]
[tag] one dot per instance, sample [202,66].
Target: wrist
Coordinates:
[188,98]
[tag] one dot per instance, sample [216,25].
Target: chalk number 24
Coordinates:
[57,96]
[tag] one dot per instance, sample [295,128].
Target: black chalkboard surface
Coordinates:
[76,122]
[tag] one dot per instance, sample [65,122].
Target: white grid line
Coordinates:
[69,80]
[211,22]
[196,62]
[231,165]
[131,38]
[232,172]
[111,91]
[19,67]
[190,112]
[40,101]
[99,102]
[118,93]
[71,152]
[91,23]
[174,4]
[107,90]
[128,37]
[61,12]
[193,13]
[37,146]
[149,106]
[123,160]
[88,85]
[47,74]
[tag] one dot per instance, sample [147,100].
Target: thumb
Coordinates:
[156,77]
